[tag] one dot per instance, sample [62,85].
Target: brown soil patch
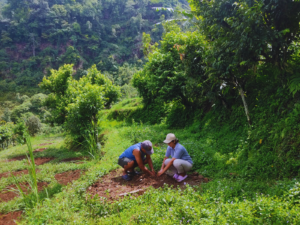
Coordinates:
[10,218]
[10,192]
[15,173]
[112,186]
[39,149]
[40,161]
[76,160]
[45,144]
[67,177]
[18,158]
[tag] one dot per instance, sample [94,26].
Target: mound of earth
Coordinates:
[112,186]
[77,160]
[18,158]
[15,173]
[39,149]
[10,192]
[67,177]
[40,161]
[45,144]
[10,218]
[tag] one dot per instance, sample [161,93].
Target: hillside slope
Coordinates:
[39,35]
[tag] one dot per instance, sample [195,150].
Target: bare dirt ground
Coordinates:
[77,160]
[112,186]
[18,158]
[67,177]
[15,173]
[38,161]
[10,218]
[39,149]
[45,144]
[11,191]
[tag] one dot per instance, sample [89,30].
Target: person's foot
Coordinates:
[175,176]
[126,177]
[181,178]
[132,173]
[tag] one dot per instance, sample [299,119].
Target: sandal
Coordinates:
[126,177]
[175,176]
[181,178]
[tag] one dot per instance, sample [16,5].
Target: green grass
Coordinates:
[231,197]
[46,171]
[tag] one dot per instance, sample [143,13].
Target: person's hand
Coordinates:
[160,173]
[152,173]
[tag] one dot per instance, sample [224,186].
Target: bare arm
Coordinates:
[150,163]
[139,161]
[166,167]
[163,164]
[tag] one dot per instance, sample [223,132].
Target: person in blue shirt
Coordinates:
[137,155]
[180,163]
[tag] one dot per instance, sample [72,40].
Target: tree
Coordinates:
[33,125]
[77,104]
[244,35]
[167,74]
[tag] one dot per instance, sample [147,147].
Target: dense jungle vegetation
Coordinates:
[222,75]
[37,36]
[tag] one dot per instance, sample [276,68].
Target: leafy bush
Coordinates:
[33,125]
[77,104]
[19,131]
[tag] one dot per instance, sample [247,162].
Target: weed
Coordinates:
[32,198]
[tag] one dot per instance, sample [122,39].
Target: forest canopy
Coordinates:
[37,36]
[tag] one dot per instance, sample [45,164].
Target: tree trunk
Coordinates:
[241,91]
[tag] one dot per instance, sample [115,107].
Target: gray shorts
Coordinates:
[124,161]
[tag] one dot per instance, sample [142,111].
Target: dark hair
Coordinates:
[175,141]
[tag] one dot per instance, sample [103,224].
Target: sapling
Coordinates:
[32,181]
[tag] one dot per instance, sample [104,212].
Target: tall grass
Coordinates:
[92,144]
[32,198]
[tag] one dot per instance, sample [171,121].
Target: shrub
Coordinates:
[34,125]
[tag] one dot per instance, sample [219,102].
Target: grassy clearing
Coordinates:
[228,200]
[45,172]
[232,196]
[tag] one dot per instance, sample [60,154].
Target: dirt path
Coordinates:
[9,218]
[112,186]
[67,177]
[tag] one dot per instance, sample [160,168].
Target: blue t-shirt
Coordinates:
[179,153]
[128,152]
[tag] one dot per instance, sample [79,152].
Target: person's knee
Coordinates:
[167,161]
[146,161]
[176,163]
[129,165]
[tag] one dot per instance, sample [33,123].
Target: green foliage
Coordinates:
[32,197]
[20,131]
[147,47]
[37,36]
[6,133]
[33,125]
[76,104]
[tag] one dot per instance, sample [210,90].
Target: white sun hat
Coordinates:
[170,137]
